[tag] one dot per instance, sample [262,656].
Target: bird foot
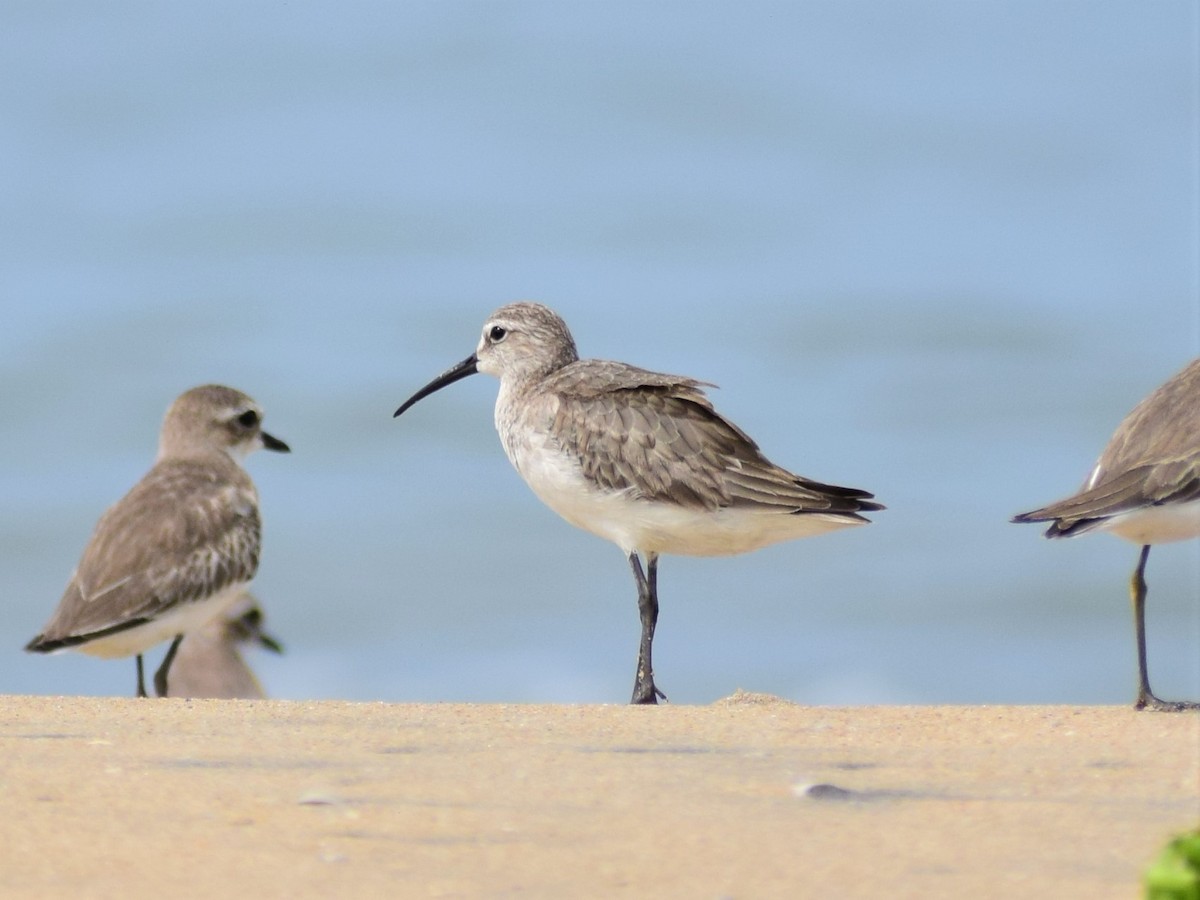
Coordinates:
[646,693]
[1153,704]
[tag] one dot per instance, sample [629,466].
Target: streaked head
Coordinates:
[524,340]
[520,341]
[214,417]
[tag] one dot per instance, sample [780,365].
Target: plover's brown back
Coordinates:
[175,551]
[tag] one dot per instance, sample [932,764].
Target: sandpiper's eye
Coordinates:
[248,419]
[497,333]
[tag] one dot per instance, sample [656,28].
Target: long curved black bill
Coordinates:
[468,366]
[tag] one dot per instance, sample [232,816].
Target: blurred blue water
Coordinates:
[934,250]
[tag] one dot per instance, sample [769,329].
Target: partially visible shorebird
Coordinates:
[638,458]
[209,662]
[176,551]
[1145,488]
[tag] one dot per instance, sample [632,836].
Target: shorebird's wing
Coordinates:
[1152,459]
[657,437]
[1164,429]
[183,533]
[1174,481]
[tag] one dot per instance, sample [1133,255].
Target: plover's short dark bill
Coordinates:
[1144,488]
[638,458]
[175,551]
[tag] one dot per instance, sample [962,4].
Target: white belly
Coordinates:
[657,526]
[1157,524]
[179,620]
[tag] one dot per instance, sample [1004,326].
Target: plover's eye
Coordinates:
[497,333]
[248,419]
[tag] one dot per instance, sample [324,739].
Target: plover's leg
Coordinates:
[160,677]
[141,692]
[644,690]
[1145,697]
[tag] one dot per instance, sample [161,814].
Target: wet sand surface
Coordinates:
[748,797]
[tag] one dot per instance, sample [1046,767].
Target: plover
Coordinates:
[209,661]
[638,458]
[1145,488]
[175,551]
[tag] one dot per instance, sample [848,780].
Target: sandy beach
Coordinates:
[748,797]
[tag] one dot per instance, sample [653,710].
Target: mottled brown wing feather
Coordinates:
[184,532]
[1152,485]
[1174,482]
[658,437]
[1154,458]
[1164,429]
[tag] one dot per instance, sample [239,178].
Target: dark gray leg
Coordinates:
[644,690]
[160,677]
[1137,592]
[141,678]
